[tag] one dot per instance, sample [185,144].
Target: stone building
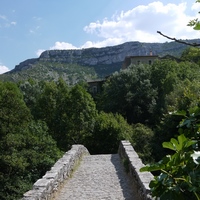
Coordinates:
[95,86]
[136,60]
[149,59]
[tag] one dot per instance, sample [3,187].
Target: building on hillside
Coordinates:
[95,86]
[136,60]
[149,59]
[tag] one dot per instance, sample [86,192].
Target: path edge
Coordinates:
[133,164]
[49,184]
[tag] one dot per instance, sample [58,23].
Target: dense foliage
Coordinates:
[109,130]
[179,172]
[148,95]
[27,151]
[127,92]
[41,119]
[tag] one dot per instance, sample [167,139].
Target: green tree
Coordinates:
[51,108]
[24,158]
[26,149]
[14,117]
[179,172]
[166,76]
[108,131]
[31,91]
[81,114]
[68,112]
[59,125]
[164,131]
[13,112]
[46,103]
[131,94]
[186,94]
[191,54]
[142,139]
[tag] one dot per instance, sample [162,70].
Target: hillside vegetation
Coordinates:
[87,64]
[46,71]
[152,106]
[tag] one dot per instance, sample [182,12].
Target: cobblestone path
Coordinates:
[99,177]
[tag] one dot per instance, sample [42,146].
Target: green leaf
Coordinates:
[162,176]
[144,169]
[168,145]
[153,167]
[190,143]
[197,26]
[175,144]
[180,113]
[186,122]
[181,140]
[178,145]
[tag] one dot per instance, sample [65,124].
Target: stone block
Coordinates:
[141,179]
[44,187]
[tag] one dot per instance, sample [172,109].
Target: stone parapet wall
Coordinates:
[44,188]
[133,164]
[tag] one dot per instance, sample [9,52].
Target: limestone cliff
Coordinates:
[103,61]
[107,55]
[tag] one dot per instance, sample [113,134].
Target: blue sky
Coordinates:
[28,27]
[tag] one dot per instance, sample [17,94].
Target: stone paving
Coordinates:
[99,177]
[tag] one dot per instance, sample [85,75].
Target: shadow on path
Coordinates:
[128,188]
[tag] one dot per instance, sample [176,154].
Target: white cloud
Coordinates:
[7,23]
[3,17]
[103,43]
[39,51]
[142,23]
[58,46]
[37,18]
[3,69]
[37,25]
[63,45]
[13,23]
[195,7]
[34,30]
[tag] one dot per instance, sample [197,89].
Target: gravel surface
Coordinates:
[99,177]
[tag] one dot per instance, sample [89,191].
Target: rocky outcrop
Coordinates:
[25,64]
[105,60]
[93,56]
[105,56]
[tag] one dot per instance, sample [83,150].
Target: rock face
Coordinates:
[25,65]
[109,55]
[105,60]
[112,54]
[94,56]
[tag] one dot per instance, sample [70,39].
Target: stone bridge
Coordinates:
[81,176]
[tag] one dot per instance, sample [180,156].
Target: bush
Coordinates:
[108,131]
